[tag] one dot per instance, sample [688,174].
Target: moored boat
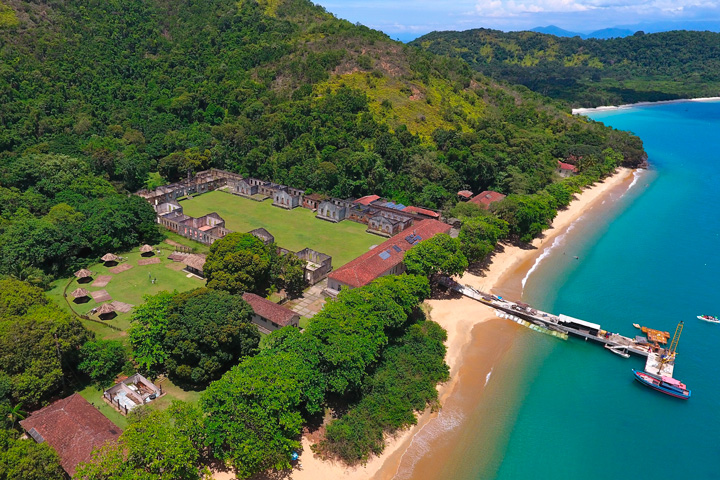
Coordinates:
[666,385]
[618,350]
[709,318]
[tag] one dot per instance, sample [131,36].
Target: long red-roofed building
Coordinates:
[484,199]
[385,259]
[73,428]
[367,199]
[423,212]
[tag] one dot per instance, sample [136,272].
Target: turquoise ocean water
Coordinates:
[652,257]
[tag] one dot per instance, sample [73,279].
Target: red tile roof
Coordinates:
[270,310]
[465,193]
[367,200]
[371,265]
[567,166]
[422,211]
[486,198]
[73,428]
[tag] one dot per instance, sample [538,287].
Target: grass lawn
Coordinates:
[129,286]
[293,229]
[172,392]
[93,395]
[196,247]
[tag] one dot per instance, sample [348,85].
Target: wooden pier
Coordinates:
[564,325]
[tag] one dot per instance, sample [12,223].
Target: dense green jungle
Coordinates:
[591,72]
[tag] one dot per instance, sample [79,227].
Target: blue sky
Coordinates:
[406,19]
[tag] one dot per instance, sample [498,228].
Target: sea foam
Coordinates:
[558,241]
[421,443]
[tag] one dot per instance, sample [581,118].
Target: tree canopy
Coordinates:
[238,263]
[39,343]
[195,336]
[153,448]
[591,72]
[28,460]
[208,331]
[439,255]
[102,360]
[255,413]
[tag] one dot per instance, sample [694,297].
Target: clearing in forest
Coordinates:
[293,229]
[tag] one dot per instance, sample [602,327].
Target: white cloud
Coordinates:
[513,8]
[508,8]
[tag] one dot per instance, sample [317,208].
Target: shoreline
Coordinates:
[459,317]
[605,108]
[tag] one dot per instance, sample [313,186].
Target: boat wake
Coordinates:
[421,443]
[556,242]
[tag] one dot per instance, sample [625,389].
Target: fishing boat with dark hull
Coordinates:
[666,385]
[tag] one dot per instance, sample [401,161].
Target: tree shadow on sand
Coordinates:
[481,268]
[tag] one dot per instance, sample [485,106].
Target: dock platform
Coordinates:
[563,325]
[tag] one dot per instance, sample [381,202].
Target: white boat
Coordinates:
[618,350]
[708,318]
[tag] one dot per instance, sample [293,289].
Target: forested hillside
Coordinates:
[100,98]
[591,72]
[279,90]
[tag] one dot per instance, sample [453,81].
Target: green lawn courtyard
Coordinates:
[293,229]
[128,286]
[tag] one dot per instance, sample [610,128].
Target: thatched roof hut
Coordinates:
[80,293]
[105,309]
[146,248]
[109,257]
[83,273]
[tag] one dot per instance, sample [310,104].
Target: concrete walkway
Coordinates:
[311,302]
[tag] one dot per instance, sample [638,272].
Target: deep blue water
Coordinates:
[650,257]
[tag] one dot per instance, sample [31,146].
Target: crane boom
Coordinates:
[675,340]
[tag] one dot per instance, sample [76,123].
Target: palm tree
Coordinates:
[15,414]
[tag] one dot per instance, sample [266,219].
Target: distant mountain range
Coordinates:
[600,34]
[620,31]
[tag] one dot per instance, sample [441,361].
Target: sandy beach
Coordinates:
[583,111]
[462,318]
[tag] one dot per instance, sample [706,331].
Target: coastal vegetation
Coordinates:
[371,350]
[591,72]
[298,97]
[101,98]
[194,336]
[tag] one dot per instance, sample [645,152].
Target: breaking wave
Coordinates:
[421,443]
[557,241]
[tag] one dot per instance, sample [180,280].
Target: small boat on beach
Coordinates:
[709,318]
[666,385]
[618,350]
